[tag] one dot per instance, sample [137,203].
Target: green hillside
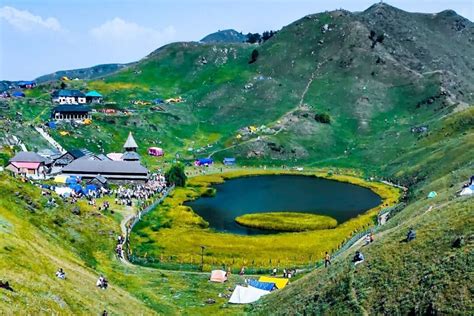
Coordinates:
[397,89]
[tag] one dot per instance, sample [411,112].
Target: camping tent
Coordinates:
[432,194]
[229,161]
[18,94]
[63,191]
[155,151]
[60,179]
[467,190]
[218,276]
[266,286]
[279,282]
[245,295]
[72,180]
[203,162]
[90,187]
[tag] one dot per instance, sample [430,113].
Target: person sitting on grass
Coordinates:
[411,235]
[61,274]
[102,282]
[358,258]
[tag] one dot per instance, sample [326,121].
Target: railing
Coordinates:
[170,263]
[135,219]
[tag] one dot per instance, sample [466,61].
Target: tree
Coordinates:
[323,118]
[253,57]
[63,85]
[253,38]
[176,175]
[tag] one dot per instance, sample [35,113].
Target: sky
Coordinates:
[38,37]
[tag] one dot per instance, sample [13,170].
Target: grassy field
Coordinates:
[153,240]
[286,221]
[429,275]
[36,240]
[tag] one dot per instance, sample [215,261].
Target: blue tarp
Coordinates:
[52,125]
[18,94]
[267,286]
[229,161]
[76,187]
[90,187]
[205,161]
[72,180]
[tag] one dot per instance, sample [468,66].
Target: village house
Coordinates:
[29,164]
[68,97]
[71,112]
[94,97]
[27,84]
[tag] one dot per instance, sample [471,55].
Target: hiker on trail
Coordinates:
[327,260]
[61,274]
[411,235]
[371,237]
[104,313]
[358,258]
[274,272]
[284,273]
[242,271]
[228,272]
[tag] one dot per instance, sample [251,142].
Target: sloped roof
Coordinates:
[27,156]
[130,143]
[68,93]
[93,93]
[105,167]
[130,156]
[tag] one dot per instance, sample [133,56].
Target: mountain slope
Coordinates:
[83,73]
[224,36]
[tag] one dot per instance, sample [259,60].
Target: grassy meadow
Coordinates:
[286,221]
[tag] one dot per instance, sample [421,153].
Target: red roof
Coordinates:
[27,165]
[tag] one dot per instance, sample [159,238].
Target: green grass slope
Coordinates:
[36,240]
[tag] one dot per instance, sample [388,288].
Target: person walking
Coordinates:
[327,260]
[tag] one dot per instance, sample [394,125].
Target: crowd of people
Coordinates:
[126,195]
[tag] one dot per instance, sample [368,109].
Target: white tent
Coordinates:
[467,191]
[245,295]
[63,191]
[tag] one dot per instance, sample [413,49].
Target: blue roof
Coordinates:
[68,93]
[18,94]
[24,83]
[205,160]
[93,93]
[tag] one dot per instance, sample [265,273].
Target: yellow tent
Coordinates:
[279,282]
[238,136]
[252,129]
[63,133]
[60,179]
[87,121]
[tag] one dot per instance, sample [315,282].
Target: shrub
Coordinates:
[176,175]
[323,118]
[253,57]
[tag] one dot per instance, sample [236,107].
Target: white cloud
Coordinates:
[120,32]
[27,21]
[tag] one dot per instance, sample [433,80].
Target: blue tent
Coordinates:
[52,125]
[90,187]
[204,161]
[267,286]
[76,187]
[18,94]
[229,161]
[72,180]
